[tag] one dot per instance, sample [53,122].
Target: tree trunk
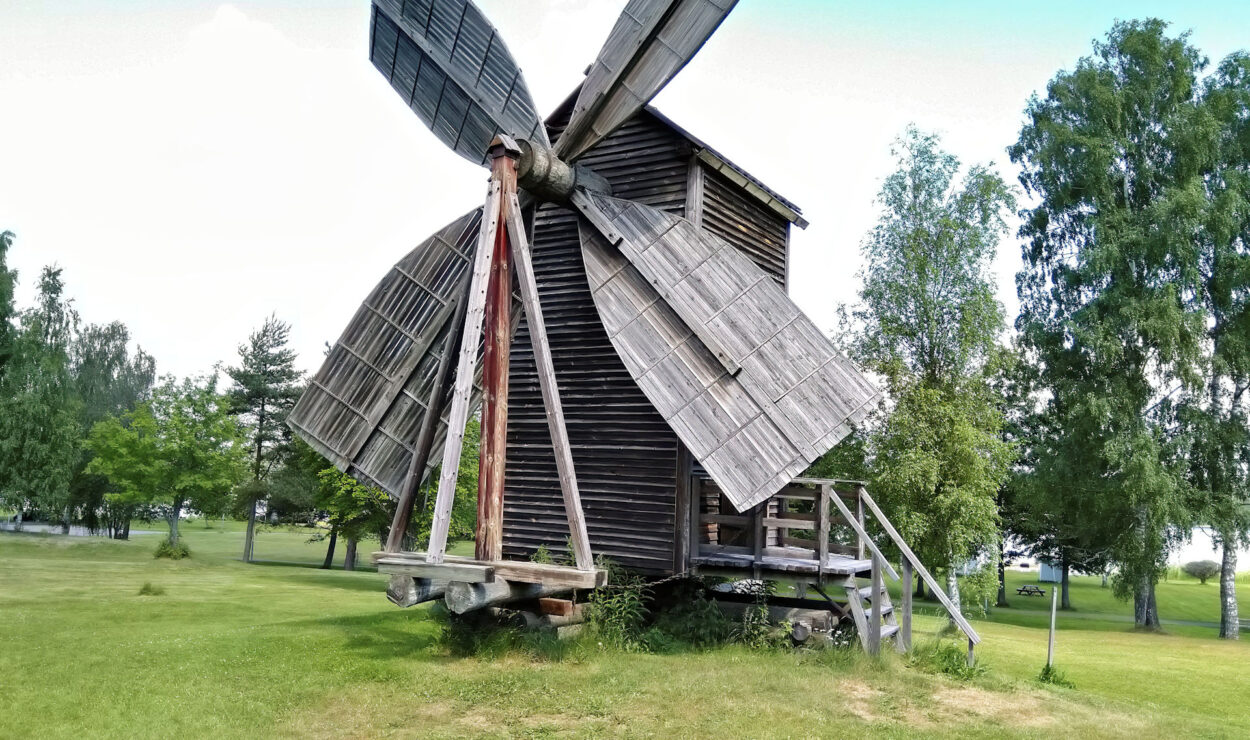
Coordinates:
[1065,599]
[1002,576]
[329,561]
[349,558]
[173,522]
[249,539]
[919,593]
[17,522]
[1230,626]
[65,521]
[1104,578]
[952,590]
[1145,611]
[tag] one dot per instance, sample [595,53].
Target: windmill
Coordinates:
[749,386]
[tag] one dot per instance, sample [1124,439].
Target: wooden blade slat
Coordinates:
[744,378]
[650,43]
[450,65]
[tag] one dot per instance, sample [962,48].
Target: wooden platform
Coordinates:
[468,570]
[834,564]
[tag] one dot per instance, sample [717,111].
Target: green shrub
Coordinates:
[1053,676]
[944,656]
[618,611]
[693,620]
[172,550]
[147,589]
[1201,569]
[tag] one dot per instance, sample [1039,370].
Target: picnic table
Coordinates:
[1031,590]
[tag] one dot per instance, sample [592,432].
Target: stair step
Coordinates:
[865,592]
[888,630]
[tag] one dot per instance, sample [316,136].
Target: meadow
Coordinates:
[281,648]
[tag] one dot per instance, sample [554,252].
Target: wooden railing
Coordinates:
[766,518]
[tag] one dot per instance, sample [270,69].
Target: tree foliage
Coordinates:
[928,323]
[180,449]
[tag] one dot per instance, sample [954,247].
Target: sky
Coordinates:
[197,166]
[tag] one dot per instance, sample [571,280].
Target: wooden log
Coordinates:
[816,619]
[406,591]
[462,598]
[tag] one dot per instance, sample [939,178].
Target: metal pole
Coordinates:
[1050,649]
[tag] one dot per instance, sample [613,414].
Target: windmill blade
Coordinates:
[650,43]
[744,378]
[451,67]
[363,407]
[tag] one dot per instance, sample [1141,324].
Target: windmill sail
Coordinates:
[364,405]
[650,43]
[746,381]
[450,65]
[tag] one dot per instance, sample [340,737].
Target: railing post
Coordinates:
[874,622]
[972,656]
[904,632]
[757,540]
[822,531]
[859,513]
[696,515]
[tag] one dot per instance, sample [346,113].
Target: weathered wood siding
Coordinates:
[756,230]
[625,455]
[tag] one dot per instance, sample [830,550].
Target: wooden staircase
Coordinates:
[873,612]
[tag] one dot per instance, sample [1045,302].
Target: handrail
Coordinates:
[937,590]
[863,535]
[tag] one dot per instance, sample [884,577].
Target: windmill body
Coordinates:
[617,310]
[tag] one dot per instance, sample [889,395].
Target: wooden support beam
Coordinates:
[696,516]
[467,572]
[757,537]
[904,636]
[874,627]
[511,570]
[822,530]
[496,349]
[859,514]
[406,591]
[578,536]
[425,434]
[466,366]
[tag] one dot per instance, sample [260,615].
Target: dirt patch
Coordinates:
[861,700]
[1023,710]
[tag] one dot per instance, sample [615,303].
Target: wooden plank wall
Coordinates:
[756,230]
[624,453]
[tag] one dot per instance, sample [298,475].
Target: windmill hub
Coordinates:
[550,178]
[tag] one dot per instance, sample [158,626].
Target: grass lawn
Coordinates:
[235,650]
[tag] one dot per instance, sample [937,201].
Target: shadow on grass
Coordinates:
[385,635]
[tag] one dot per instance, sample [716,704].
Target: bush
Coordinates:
[618,612]
[172,550]
[950,658]
[1201,569]
[149,590]
[1053,676]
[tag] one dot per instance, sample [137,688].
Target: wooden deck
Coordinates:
[834,564]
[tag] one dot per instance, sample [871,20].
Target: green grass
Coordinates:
[235,650]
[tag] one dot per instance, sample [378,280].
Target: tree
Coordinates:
[929,324]
[8,281]
[109,381]
[266,387]
[1201,569]
[39,430]
[356,511]
[1109,261]
[180,449]
[1215,411]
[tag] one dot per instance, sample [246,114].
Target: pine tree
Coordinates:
[266,387]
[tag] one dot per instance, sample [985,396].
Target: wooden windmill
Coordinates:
[648,390]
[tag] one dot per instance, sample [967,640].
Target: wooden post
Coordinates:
[1050,648]
[757,539]
[425,434]
[904,641]
[874,621]
[822,531]
[696,516]
[496,349]
[972,655]
[859,513]
[550,388]
[682,527]
[466,366]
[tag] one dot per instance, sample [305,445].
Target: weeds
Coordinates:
[147,589]
[172,550]
[949,658]
[1055,677]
